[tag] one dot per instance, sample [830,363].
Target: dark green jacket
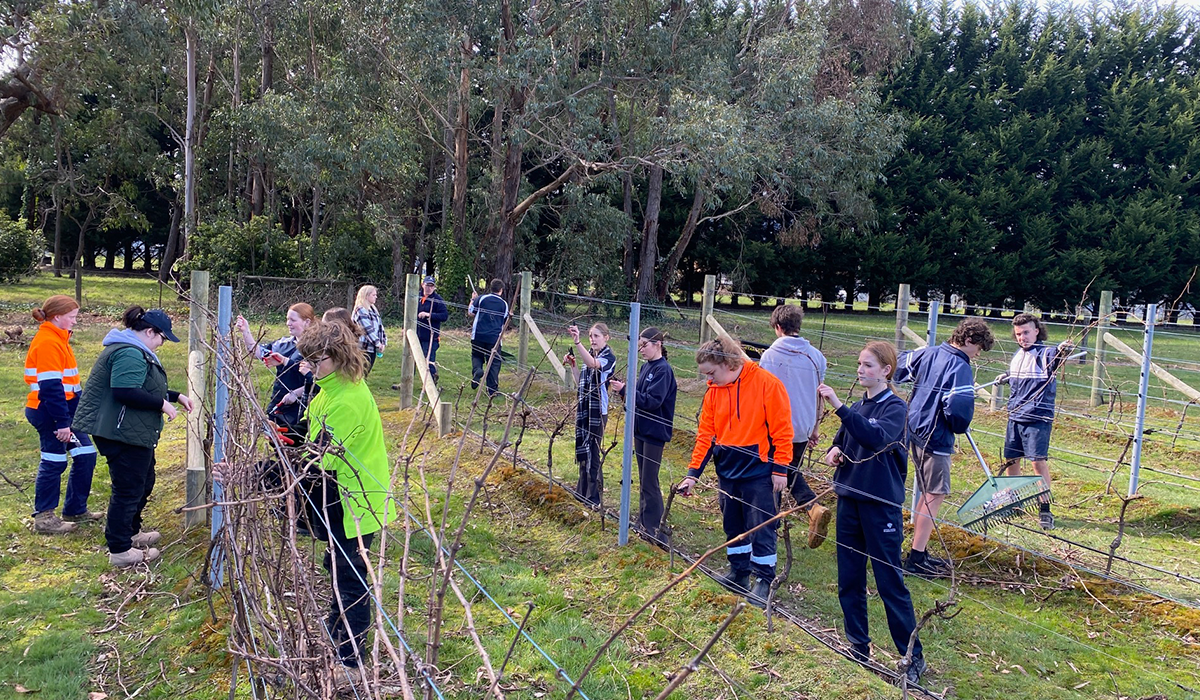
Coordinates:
[101,415]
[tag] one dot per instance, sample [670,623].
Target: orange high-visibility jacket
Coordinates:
[745,427]
[52,374]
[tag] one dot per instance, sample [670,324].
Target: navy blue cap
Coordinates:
[429,279]
[161,323]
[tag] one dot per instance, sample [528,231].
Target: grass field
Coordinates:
[1029,627]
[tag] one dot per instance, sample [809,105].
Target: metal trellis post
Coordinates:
[635,322]
[224,315]
[1143,395]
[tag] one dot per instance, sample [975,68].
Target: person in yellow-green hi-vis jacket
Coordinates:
[355,500]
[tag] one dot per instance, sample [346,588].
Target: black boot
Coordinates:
[758,595]
[915,670]
[736,581]
[860,652]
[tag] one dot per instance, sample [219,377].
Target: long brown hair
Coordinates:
[57,305]
[885,352]
[333,340]
[720,351]
[341,314]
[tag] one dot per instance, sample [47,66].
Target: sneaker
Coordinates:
[1046,519]
[860,652]
[759,594]
[86,516]
[737,581]
[915,669]
[925,567]
[145,538]
[132,556]
[818,524]
[47,523]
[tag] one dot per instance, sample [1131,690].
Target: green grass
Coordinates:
[1027,628]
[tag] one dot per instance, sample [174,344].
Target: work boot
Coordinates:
[924,566]
[145,538]
[47,523]
[736,581]
[132,556]
[760,592]
[915,670]
[818,524]
[1046,519]
[86,516]
[349,680]
[860,652]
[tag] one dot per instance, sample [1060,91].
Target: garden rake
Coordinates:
[1000,498]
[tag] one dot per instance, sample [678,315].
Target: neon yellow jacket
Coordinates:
[348,411]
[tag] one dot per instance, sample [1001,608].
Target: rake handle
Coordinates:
[979,456]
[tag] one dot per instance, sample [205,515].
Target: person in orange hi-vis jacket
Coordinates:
[54,385]
[746,429]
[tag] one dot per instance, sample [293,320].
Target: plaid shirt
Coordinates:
[373,333]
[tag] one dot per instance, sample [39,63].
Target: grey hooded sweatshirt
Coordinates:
[801,367]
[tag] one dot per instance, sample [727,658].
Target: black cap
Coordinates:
[161,322]
[429,279]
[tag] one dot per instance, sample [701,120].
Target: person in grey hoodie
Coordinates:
[122,408]
[801,367]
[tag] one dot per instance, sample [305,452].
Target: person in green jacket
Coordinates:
[355,500]
[122,408]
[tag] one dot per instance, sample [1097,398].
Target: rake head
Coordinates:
[1000,499]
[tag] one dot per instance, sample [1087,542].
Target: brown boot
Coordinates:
[47,523]
[818,524]
[132,556]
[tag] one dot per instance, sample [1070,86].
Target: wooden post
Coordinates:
[350,294]
[524,310]
[706,307]
[566,377]
[409,354]
[994,400]
[1097,397]
[441,413]
[196,481]
[903,299]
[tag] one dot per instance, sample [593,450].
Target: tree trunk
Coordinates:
[685,239]
[510,185]
[461,131]
[189,143]
[169,250]
[649,257]
[315,236]
[258,188]
[127,262]
[58,214]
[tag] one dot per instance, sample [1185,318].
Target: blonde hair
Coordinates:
[360,301]
[603,328]
[334,340]
[720,351]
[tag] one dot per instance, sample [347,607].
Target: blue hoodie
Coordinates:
[1033,384]
[875,461]
[943,399]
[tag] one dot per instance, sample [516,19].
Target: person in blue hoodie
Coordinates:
[1031,378]
[122,408]
[870,466]
[653,425]
[942,405]
[800,367]
[490,312]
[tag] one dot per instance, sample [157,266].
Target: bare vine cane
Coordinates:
[513,646]
[694,665]
[666,589]
[664,526]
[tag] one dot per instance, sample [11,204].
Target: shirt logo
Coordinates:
[649,376]
[872,421]
[890,528]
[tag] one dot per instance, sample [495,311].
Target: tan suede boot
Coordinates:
[47,523]
[132,556]
[818,525]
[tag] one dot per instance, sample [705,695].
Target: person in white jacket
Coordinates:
[801,368]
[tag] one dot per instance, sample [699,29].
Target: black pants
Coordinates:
[131,469]
[650,498]
[591,476]
[797,484]
[876,530]
[429,348]
[349,618]
[745,504]
[479,360]
[369,356]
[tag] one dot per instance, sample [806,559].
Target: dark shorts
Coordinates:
[932,471]
[1028,440]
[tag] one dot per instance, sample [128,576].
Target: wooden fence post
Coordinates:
[706,307]
[524,308]
[196,480]
[409,354]
[1097,397]
[903,299]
